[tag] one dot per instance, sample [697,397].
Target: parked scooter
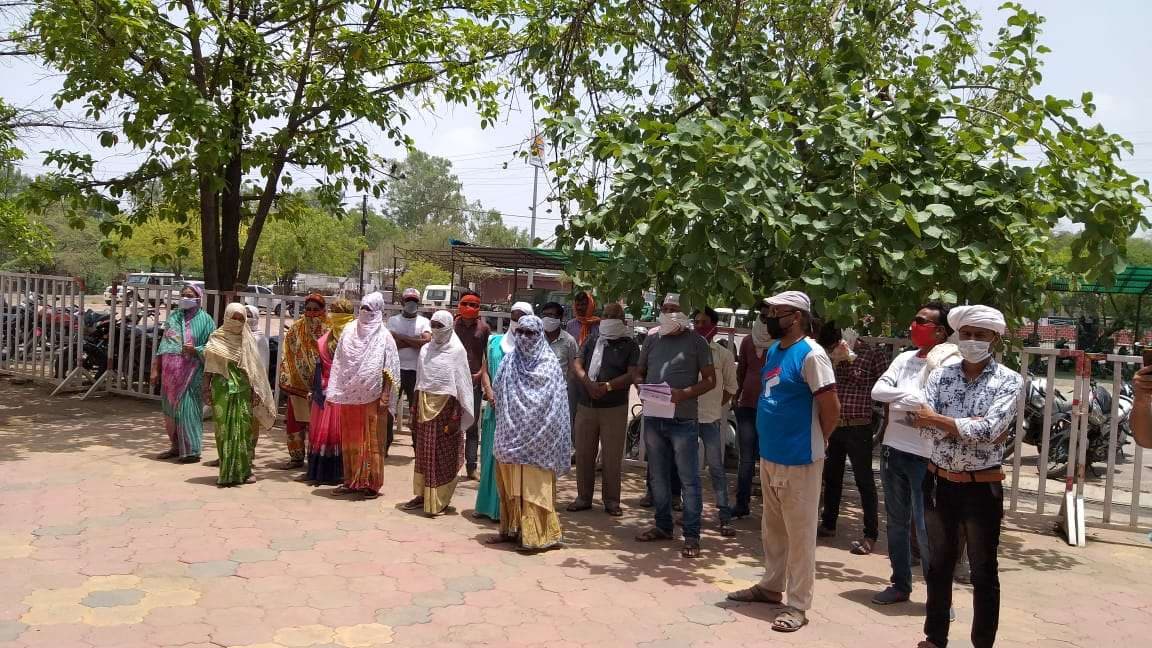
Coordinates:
[1099,426]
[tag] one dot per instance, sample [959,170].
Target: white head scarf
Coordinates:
[364,357]
[532,419]
[610,329]
[507,343]
[443,369]
[261,337]
[984,317]
[233,342]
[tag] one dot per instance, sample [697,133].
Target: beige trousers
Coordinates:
[788,530]
[596,427]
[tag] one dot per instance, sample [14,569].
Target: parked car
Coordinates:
[439,297]
[156,287]
[264,300]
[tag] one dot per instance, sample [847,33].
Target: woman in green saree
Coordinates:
[178,367]
[242,401]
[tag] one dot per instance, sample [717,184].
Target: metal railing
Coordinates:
[139,318]
[41,327]
[1079,508]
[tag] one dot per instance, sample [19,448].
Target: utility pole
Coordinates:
[363,233]
[536,159]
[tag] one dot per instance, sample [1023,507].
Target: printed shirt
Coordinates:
[787,421]
[983,409]
[710,405]
[854,381]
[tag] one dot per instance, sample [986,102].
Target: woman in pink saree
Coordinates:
[325,465]
[179,368]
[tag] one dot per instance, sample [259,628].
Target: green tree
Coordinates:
[871,152]
[488,228]
[24,245]
[422,273]
[426,191]
[227,99]
[304,237]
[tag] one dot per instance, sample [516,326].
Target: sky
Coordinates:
[1102,46]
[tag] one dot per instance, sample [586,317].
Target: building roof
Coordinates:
[1134,280]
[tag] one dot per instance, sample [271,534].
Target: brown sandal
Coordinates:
[756,594]
[790,620]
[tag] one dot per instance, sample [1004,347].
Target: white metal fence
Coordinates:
[138,320]
[1095,422]
[41,326]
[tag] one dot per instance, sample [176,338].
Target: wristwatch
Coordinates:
[608,386]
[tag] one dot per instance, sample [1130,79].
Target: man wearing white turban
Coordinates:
[968,408]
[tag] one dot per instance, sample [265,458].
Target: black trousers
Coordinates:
[472,434]
[408,391]
[853,443]
[976,510]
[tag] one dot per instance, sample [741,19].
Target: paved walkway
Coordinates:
[100,545]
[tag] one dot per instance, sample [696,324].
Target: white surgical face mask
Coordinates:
[672,323]
[189,302]
[441,335]
[975,351]
[551,324]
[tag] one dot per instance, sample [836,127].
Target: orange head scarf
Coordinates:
[587,319]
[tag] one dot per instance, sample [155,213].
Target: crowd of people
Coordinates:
[516,410]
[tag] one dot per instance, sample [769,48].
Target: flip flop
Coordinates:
[861,547]
[412,504]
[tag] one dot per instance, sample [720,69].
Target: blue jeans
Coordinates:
[714,457]
[749,457]
[672,443]
[903,476]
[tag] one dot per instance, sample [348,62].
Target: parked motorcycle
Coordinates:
[1099,425]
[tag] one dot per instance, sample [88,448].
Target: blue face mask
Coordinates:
[188,303]
[410,308]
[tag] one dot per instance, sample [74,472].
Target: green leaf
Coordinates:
[710,197]
[910,220]
[943,211]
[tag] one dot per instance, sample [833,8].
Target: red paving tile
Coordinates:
[308,563]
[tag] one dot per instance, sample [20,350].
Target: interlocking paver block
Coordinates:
[9,630]
[308,635]
[437,599]
[212,568]
[404,615]
[707,615]
[292,544]
[366,634]
[253,554]
[113,598]
[464,584]
[59,530]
